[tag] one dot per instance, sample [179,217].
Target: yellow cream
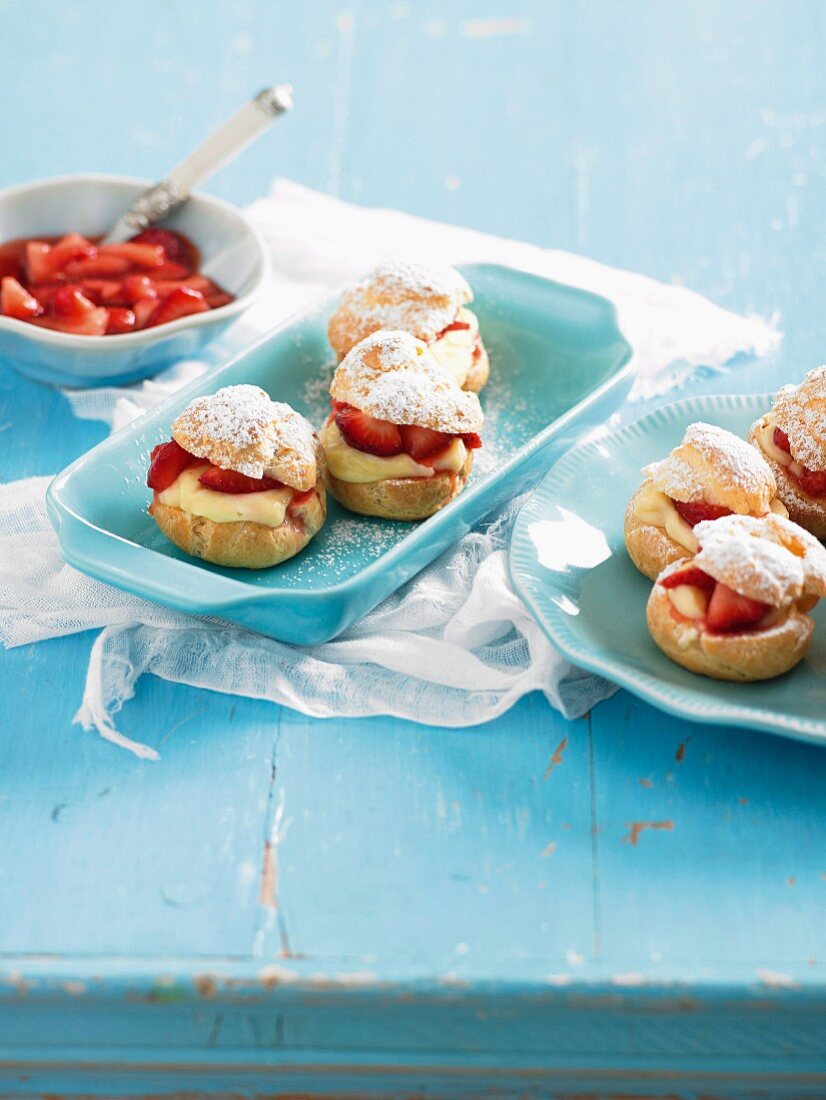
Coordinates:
[349,464]
[267,507]
[691,602]
[655,507]
[454,350]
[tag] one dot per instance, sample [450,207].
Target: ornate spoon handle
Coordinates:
[162,199]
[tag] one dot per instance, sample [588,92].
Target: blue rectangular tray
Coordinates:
[559,365]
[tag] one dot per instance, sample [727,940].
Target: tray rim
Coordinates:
[645,685]
[237,592]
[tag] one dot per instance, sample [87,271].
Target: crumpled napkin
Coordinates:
[453,647]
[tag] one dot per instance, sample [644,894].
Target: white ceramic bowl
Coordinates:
[232,253]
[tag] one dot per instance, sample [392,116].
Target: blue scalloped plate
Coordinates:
[569,564]
[559,365]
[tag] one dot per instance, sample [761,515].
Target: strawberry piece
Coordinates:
[215,301]
[44,292]
[170,270]
[472,441]
[16,301]
[692,575]
[230,481]
[180,303]
[781,440]
[92,323]
[421,442]
[728,611]
[169,460]
[103,292]
[366,433]
[138,255]
[193,282]
[71,247]
[455,326]
[96,267]
[37,261]
[812,482]
[143,309]
[120,320]
[698,510]
[139,286]
[300,499]
[177,248]
[71,304]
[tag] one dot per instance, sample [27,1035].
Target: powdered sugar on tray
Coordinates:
[769,559]
[800,412]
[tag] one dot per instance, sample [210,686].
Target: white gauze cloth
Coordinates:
[455,646]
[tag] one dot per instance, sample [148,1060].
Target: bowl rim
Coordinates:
[97,344]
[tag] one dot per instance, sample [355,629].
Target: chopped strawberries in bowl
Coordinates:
[77,285]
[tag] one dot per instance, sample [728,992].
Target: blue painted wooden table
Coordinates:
[622,905]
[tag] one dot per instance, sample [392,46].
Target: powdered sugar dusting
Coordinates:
[800,412]
[769,559]
[392,376]
[716,466]
[240,428]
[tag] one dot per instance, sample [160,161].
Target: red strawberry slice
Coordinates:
[455,326]
[139,286]
[692,575]
[728,611]
[138,255]
[300,499]
[230,481]
[96,267]
[194,282]
[71,304]
[92,323]
[37,261]
[696,511]
[180,303]
[103,292]
[120,320]
[472,441]
[169,460]
[366,433]
[71,247]
[215,301]
[812,482]
[781,440]
[177,248]
[15,301]
[170,270]
[420,442]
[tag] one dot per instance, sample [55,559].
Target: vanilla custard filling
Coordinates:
[454,350]
[656,508]
[349,464]
[267,507]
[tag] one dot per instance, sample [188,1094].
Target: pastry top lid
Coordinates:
[392,376]
[768,558]
[716,466]
[241,428]
[402,296]
[800,412]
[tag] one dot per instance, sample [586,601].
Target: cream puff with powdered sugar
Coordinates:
[400,438]
[738,610]
[792,439]
[429,303]
[712,473]
[240,482]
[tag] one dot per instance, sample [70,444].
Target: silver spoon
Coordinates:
[162,199]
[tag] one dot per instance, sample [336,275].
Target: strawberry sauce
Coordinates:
[76,284]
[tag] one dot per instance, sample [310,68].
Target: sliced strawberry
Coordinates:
[690,575]
[180,303]
[477,348]
[139,286]
[44,292]
[193,282]
[728,611]
[71,247]
[455,326]
[812,482]
[300,499]
[138,255]
[97,267]
[472,441]
[781,440]
[143,308]
[177,248]
[698,510]
[120,320]
[92,323]
[15,301]
[71,304]
[421,442]
[215,301]
[37,261]
[103,292]
[171,270]
[366,433]
[169,460]
[230,481]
